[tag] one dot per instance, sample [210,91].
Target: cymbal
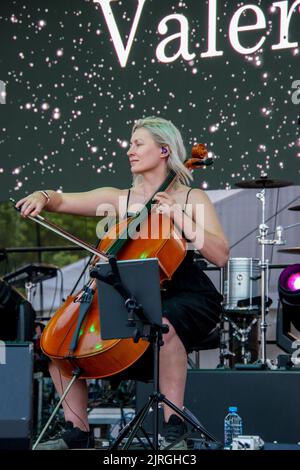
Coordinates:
[263,182]
[294,250]
[294,208]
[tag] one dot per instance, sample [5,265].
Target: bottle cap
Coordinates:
[232,409]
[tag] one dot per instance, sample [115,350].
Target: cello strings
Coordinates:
[123,238]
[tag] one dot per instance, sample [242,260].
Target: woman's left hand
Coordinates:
[165,203]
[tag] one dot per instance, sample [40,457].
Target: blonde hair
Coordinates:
[166,134]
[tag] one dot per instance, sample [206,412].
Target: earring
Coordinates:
[164,150]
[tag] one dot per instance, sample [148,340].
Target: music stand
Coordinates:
[130,302]
[138,274]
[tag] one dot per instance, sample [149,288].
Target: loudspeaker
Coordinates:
[16,387]
[268,401]
[16,314]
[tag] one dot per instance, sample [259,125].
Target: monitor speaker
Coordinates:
[16,387]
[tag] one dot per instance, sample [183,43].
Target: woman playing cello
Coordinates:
[191,304]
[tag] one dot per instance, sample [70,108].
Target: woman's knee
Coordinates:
[167,337]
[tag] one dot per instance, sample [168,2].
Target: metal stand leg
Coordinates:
[263,324]
[263,241]
[241,331]
[55,411]
[263,230]
[154,399]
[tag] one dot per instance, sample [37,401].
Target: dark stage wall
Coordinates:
[268,401]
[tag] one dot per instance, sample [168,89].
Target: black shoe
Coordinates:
[70,438]
[172,430]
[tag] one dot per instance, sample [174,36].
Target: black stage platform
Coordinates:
[268,401]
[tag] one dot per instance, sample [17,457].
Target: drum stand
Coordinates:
[241,333]
[225,354]
[264,265]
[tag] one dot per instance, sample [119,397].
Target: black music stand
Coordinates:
[130,303]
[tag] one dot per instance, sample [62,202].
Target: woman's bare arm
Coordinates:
[85,203]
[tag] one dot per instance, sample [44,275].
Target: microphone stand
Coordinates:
[264,264]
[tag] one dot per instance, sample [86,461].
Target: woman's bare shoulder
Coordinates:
[199,195]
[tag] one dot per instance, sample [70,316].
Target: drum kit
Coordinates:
[245,284]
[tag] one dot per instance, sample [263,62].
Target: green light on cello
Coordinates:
[92,329]
[98,346]
[144,255]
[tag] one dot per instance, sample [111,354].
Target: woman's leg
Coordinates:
[75,403]
[172,369]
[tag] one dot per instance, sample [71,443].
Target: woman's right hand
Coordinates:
[32,204]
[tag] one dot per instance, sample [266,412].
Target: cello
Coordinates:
[72,337]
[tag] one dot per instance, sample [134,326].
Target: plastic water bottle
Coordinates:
[233,426]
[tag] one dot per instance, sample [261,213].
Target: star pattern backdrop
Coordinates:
[70,106]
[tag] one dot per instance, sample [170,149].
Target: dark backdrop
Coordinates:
[70,105]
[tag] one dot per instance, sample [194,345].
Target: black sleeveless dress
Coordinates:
[190,301]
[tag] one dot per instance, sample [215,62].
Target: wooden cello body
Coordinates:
[99,358]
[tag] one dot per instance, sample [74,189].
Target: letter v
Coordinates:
[122,52]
